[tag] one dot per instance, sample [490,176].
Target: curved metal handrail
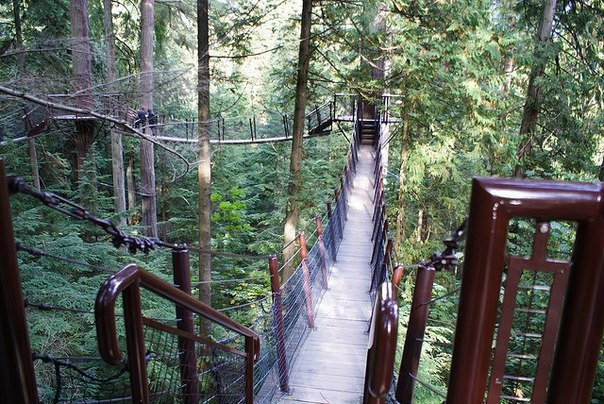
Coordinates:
[382,345]
[127,282]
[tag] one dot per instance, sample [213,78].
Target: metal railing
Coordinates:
[494,203]
[522,348]
[384,293]
[175,348]
[382,345]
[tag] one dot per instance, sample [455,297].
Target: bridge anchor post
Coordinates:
[273,266]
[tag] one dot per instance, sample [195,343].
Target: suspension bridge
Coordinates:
[330,333]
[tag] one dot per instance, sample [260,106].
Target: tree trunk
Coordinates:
[204,166]
[33,154]
[131,184]
[295,182]
[533,94]
[117,157]
[82,85]
[19,36]
[400,217]
[378,69]
[509,71]
[420,226]
[148,194]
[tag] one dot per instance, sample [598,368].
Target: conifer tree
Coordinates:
[295,180]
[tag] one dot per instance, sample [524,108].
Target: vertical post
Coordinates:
[377,221]
[255,130]
[383,263]
[578,349]
[188,360]
[307,283]
[250,349]
[322,252]
[338,215]
[388,253]
[378,195]
[347,175]
[344,194]
[382,346]
[273,266]
[18,382]
[397,276]
[354,155]
[418,317]
[135,343]
[331,224]
[335,104]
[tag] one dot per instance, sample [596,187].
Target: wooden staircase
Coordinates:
[369,131]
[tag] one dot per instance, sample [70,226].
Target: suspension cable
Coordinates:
[40,253]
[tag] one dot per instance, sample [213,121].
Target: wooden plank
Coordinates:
[303,394]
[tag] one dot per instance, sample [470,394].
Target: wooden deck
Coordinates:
[331,364]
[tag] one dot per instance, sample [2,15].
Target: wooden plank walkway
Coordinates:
[330,366]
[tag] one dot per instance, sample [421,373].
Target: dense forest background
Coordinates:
[505,88]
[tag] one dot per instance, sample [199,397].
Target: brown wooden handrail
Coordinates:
[127,282]
[382,345]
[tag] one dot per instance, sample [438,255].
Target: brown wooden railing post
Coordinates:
[135,343]
[382,346]
[307,283]
[331,224]
[347,178]
[337,199]
[322,252]
[582,325]
[251,354]
[18,380]
[273,266]
[388,253]
[344,195]
[418,318]
[188,358]
[381,268]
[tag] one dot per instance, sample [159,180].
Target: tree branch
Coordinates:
[116,121]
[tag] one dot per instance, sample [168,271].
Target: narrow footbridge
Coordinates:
[330,366]
[529,329]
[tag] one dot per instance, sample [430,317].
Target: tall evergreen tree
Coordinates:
[148,192]
[33,153]
[117,156]
[84,135]
[295,180]
[534,94]
[204,166]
